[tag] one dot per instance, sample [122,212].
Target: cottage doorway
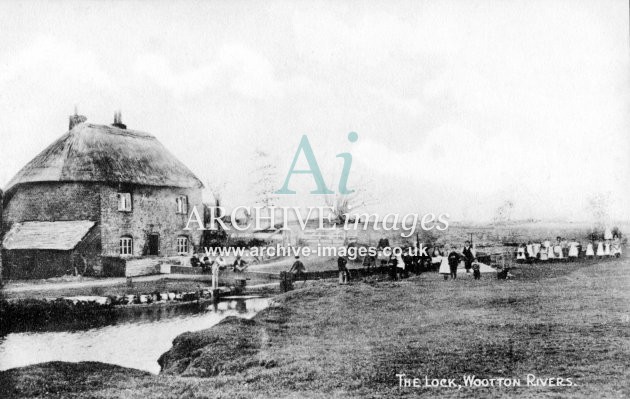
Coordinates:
[154,244]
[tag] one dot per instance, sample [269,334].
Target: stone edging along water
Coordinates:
[131,299]
[15,313]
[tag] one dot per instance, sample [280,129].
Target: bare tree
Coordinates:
[346,205]
[265,178]
[216,189]
[598,206]
[503,214]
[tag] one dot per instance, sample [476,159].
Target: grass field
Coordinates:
[561,320]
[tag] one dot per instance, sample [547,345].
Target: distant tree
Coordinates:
[503,214]
[216,190]
[213,238]
[345,206]
[598,206]
[265,179]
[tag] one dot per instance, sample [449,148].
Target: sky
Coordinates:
[460,107]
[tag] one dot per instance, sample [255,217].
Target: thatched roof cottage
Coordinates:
[94,202]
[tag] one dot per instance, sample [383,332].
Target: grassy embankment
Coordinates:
[561,320]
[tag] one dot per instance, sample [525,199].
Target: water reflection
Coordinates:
[136,339]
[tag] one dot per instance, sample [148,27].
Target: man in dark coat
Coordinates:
[408,261]
[344,275]
[453,262]
[469,257]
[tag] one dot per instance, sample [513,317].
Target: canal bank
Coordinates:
[350,341]
[133,337]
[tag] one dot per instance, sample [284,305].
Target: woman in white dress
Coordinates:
[544,253]
[590,252]
[600,249]
[573,250]
[608,235]
[537,247]
[557,249]
[607,248]
[520,254]
[530,251]
[550,251]
[445,269]
[436,257]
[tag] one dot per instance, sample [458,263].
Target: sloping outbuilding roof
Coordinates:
[62,236]
[110,154]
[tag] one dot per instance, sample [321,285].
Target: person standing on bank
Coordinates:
[344,275]
[216,266]
[453,262]
[469,257]
[615,250]
[590,252]
[299,270]
[574,251]
[600,249]
[476,270]
[436,257]
[444,270]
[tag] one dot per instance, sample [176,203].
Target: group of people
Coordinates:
[218,264]
[438,258]
[450,263]
[571,250]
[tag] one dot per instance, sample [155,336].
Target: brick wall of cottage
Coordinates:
[154,211]
[1,233]
[50,202]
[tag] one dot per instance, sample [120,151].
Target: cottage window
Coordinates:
[182,245]
[182,204]
[124,202]
[126,246]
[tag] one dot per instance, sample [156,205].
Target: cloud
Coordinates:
[243,70]
[55,59]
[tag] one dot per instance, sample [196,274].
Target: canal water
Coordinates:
[137,339]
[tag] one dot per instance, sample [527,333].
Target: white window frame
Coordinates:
[124,202]
[182,204]
[183,245]
[126,246]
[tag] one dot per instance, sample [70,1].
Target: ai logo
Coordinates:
[305,147]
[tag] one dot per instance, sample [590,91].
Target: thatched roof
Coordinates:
[62,236]
[99,153]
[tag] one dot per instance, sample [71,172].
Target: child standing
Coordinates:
[550,251]
[557,249]
[573,250]
[476,271]
[616,247]
[531,255]
[520,254]
[445,270]
[544,253]
[600,249]
[590,252]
